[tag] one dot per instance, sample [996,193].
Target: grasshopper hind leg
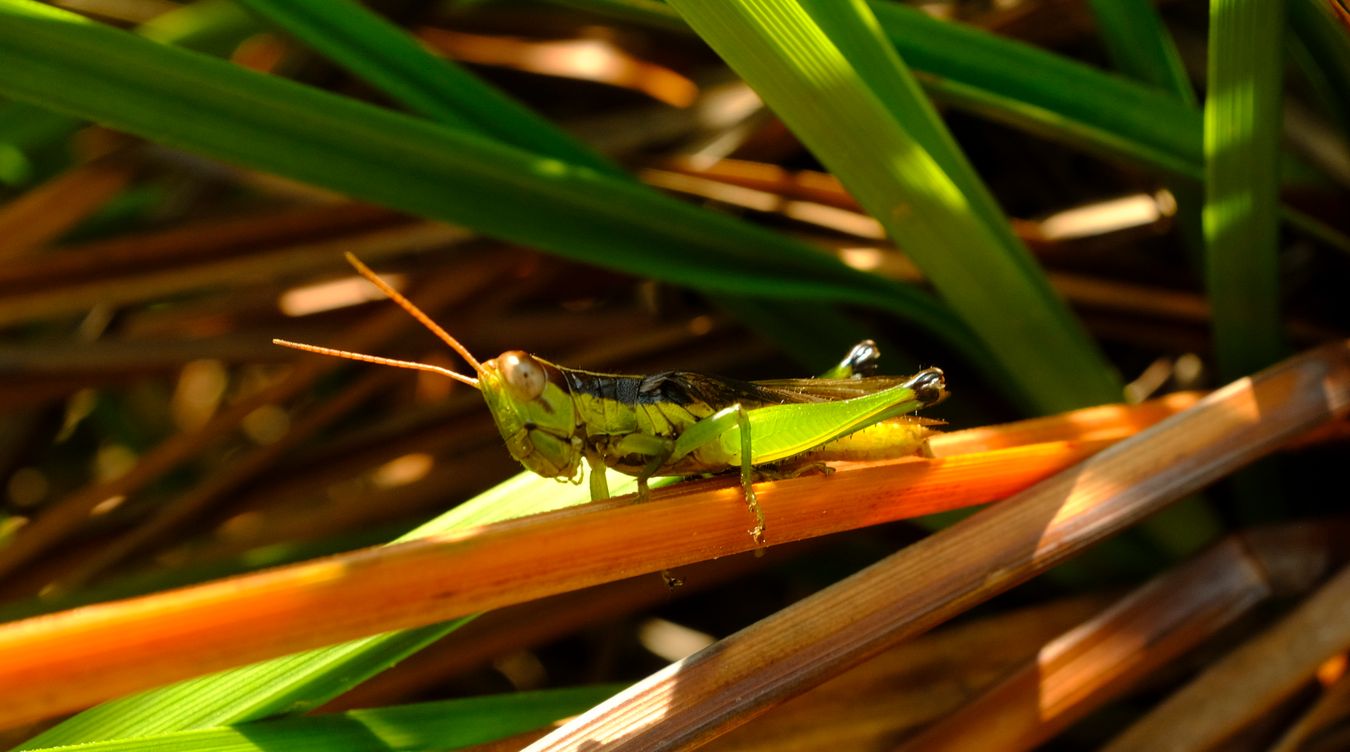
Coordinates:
[710,430]
[748,476]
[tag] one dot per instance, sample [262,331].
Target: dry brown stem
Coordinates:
[1251,680]
[1145,631]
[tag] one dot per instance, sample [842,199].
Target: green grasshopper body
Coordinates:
[682,423]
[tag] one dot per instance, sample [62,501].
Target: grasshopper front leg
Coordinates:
[710,430]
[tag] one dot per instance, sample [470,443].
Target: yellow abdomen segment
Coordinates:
[890,439]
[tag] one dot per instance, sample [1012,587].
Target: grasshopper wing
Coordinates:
[830,390]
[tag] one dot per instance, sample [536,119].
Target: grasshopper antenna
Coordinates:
[376,359]
[413,311]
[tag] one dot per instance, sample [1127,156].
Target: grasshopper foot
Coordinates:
[751,501]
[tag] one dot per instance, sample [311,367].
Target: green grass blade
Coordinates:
[814,338]
[1046,90]
[1141,47]
[25,128]
[1016,83]
[211,26]
[1324,55]
[826,70]
[214,27]
[449,724]
[301,682]
[652,13]
[1316,228]
[1093,138]
[175,97]
[389,59]
[1242,141]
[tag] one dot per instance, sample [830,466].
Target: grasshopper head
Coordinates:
[534,413]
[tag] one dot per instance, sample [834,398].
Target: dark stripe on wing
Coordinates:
[685,388]
[681,388]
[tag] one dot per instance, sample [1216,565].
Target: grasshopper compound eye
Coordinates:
[523,374]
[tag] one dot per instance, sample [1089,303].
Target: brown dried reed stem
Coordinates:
[911,684]
[1326,722]
[1160,622]
[1251,680]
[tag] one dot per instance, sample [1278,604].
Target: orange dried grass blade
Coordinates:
[83,656]
[1102,423]
[105,651]
[728,683]
[511,630]
[1106,655]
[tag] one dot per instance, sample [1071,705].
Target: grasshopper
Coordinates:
[681,423]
